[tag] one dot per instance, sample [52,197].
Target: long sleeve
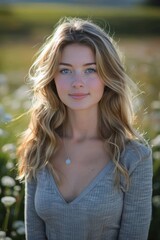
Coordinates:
[34,225]
[137,206]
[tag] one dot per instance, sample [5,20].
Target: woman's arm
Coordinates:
[137,208]
[34,225]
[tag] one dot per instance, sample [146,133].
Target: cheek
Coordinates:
[100,92]
[61,86]
[98,87]
[60,90]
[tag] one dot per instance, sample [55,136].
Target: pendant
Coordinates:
[68,161]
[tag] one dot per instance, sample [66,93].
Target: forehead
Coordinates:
[77,53]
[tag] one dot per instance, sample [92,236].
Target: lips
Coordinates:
[78,95]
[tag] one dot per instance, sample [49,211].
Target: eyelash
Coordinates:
[63,71]
[88,70]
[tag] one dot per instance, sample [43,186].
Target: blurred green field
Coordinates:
[33,19]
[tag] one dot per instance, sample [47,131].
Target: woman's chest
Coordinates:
[100,201]
[86,164]
[77,179]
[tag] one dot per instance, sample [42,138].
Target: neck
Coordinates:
[82,125]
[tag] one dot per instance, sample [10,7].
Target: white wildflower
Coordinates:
[18,224]
[156,201]
[14,105]
[156,141]
[2,234]
[9,148]
[15,193]
[8,201]
[156,155]
[9,165]
[12,155]
[21,93]
[17,188]
[21,230]
[155,105]
[13,234]
[27,105]
[8,181]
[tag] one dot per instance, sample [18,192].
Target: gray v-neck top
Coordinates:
[101,211]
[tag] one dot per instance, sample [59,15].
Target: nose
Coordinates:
[78,80]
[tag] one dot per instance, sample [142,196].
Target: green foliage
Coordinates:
[154,228]
[27,19]
[8,169]
[153,3]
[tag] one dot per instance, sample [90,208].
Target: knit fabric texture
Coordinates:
[101,211]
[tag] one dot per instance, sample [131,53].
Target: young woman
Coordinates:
[88,175]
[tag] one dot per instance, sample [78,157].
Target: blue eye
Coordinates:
[65,71]
[90,70]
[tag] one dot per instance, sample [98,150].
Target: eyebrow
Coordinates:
[70,65]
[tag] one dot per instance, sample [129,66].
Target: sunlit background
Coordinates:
[24,26]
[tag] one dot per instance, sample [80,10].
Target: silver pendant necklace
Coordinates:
[68,160]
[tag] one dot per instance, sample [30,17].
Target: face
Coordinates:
[78,85]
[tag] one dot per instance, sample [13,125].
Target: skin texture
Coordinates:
[80,89]
[78,84]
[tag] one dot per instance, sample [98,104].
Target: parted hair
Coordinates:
[40,141]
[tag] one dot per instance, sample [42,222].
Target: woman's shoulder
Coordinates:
[135,152]
[136,147]
[39,176]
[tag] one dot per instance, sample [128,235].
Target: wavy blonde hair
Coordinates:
[48,114]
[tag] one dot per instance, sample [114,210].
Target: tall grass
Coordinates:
[27,19]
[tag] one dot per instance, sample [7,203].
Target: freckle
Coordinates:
[92,169]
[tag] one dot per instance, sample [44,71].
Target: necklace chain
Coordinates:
[68,160]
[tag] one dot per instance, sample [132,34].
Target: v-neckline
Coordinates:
[86,189]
